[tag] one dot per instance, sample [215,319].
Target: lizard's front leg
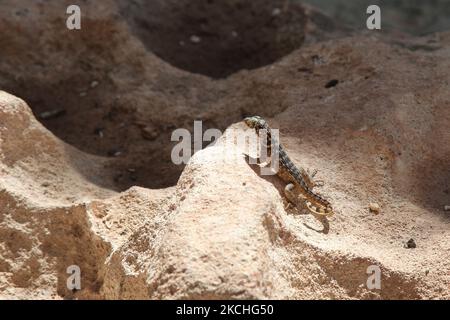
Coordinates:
[315,183]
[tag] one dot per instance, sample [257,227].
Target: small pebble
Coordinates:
[83,94]
[411,244]
[447,208]
[234,34]
[94,84]
[99,132]
[374,207]
[114,153]
[331,83]
[276,12]
[195,39]
[149,133]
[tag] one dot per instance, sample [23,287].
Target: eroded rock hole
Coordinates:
[217,37]
[86,89]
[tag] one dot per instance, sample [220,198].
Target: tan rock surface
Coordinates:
[379,135]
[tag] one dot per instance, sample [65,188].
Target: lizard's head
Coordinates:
[255,122]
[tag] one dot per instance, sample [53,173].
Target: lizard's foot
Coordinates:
[319,183]
[313,173]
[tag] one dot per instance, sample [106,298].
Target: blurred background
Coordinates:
[417,17]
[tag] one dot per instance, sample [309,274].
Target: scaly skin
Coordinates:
[300,183]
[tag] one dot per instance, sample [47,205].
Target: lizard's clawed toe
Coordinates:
[319,183]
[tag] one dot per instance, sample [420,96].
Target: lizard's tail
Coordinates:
[318,205]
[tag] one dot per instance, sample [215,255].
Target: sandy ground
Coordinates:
[87,179]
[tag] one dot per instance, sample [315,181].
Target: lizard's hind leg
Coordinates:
[289,193]
[315,183]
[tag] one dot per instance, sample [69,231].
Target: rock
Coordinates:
[374,207]
[195,39]
[99,132]
[331,83]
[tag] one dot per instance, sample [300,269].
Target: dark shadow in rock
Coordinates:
[133,159]
[83,88]
[217,37]
[325,223]
[429,183]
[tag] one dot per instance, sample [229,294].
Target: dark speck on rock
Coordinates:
[331,83]
[411,244]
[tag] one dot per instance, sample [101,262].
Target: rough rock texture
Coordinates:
[109,199]
[411,16]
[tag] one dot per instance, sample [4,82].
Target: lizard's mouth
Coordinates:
[250,121]
[326,212]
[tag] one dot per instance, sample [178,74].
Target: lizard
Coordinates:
[300,183]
